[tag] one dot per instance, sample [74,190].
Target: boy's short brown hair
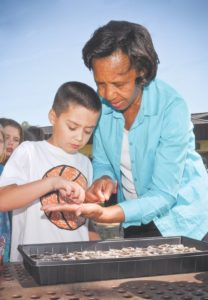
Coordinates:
[74,92]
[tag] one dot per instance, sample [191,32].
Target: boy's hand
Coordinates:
[70,191]
[101,190]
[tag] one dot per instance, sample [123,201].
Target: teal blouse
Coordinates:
[169,175]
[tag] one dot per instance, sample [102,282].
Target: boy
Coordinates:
[74,115]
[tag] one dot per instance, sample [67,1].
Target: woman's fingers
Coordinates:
[101,190]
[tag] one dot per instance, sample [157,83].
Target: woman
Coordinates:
[144,142]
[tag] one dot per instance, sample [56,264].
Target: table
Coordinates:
[16,283]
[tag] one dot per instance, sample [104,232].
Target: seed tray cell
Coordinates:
[46,271]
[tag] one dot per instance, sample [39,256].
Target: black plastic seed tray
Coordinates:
[56,272]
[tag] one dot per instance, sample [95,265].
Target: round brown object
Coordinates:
[64,220]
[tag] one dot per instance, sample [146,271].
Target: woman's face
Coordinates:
[12,139]
[1,143]
[116,80]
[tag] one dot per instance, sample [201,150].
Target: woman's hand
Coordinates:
[111,214]
[90,210]
[101,190]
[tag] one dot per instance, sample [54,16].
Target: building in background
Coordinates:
[200,121]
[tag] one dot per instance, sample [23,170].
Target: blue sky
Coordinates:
[41,43]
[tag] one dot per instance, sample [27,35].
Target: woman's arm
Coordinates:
[110,214]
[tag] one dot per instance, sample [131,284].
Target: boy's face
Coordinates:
[73,128]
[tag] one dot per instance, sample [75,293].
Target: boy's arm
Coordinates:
[17,196]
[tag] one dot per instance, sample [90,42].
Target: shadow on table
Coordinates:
[154,289]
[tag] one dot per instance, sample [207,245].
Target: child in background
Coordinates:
[2,149]
[13,135]
[74,115]
[4,218]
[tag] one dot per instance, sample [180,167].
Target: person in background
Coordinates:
[74,115]
[4,218]
[144,143]
[13,135]
[2,149]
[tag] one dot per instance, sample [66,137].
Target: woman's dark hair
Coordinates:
[76,93]
[132,39]
[10,122]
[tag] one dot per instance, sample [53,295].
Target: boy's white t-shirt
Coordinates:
[29,162]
